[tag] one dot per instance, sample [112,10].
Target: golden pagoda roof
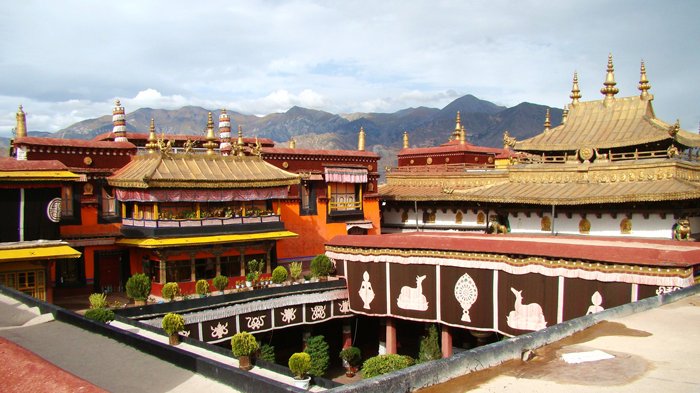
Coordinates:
[607,124]
[565,185]
[200,171]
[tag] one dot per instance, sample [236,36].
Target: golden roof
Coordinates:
[200,171]
[607,124]
[574,185]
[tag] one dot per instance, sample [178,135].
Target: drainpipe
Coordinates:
[415,207]
[552,219]
[21,214]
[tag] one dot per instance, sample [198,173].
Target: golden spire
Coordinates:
[210,144]
[547,121]
[462,136]
[21,128]
[458,128]
[564,114]
[240,143]
[609,89]
[292,143]
[405,139]
[361,140]
[575,91]
[644,85]
[152,144]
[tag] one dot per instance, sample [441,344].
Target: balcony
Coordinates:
[141,228]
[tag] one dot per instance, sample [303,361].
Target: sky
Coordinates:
[66,61]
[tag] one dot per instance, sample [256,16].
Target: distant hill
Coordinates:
[485,123]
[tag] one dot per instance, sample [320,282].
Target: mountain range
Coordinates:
[484,121]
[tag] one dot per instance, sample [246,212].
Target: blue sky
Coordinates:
[67,61]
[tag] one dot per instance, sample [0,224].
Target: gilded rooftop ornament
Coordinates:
[152,144]
[547,121]
[166,148]
[21,128]
[564,114]
[257,150]
[673,130]
[210,144]
[508,141]
[609,90]
[239,144]
[292,143]
[189,146]
[462,136]
[458,128]
[575,91]
[361,140]
[405,140]
[644,85]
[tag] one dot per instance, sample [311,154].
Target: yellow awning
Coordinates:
[38,175]
[203,240]
[34,253]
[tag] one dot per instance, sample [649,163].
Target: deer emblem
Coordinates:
[525,316]
[412,298]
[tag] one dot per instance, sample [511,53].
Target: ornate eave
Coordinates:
[200,171]
[607,124]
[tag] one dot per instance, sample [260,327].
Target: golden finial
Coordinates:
[575,91]
[361,140]
[609,89]
[564,114]
[210,144]
[547,121]
[644,85]
[152,144]
[462,136]
[405,139]
[673,130]
[240,144]
[458,128]
[292,143]
[21,128]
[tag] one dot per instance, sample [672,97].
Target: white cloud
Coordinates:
[262,56]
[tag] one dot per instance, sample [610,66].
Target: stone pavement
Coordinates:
[655,351]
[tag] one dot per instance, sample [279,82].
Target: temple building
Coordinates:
[30,241]
[182,208]
[484,249]
[610,169]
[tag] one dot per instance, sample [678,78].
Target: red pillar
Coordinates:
[390,336]
[347,335]
[446,339]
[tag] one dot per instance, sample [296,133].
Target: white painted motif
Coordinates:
[344,306]
[413,298]
[255,323]
[525,316]
[366,292]
[597,300]
[663,290]
[185,333]
[289,314]
[466,294]
[219,331]
[318,312]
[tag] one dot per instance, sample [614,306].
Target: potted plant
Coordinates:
[243,345]
[202,288]
[220,282]
[250,278]
[97,300]
[295,271]
[172,324]
[300,364]
[321,267]
[170,290]
[352,359]
[279,275]
[138,287]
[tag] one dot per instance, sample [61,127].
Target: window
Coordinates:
[31,282]
[67,201]
[179,271]
[307,194]
[205,268]
[109,208]
[70,272]
[345,197]
[230,266]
